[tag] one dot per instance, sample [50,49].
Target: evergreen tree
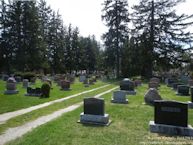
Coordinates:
[44,13]
[161,33]
[115,14]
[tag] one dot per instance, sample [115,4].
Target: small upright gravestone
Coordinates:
[94,112]
[18,79]
[5,77]
[171,118]
[86,82]
[65,85]
[82,78]
[153,85]
[155,80]
[33,80]
[25,83]
[11,86]
[170,81]
[183,90]
[128,86]
[119,97]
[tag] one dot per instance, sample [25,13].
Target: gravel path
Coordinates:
[13,133]
[6,116]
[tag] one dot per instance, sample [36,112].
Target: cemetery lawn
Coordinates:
[18,101]
[19,120]
[129,125]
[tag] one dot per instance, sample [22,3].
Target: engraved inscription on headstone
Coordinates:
[171,113]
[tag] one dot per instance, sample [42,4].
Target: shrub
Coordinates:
[45,90]
[29,75]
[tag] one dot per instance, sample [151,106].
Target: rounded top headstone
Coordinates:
[11,80]
[127,84]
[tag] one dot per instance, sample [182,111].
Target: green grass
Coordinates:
[18,101]
[17,121]
[129,125]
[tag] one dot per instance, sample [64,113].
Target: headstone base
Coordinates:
[65,89]
[119,101]
[34,95]
[94,119]
[179,94]
[170,130]
[10,92]
[190,104]
[129,92]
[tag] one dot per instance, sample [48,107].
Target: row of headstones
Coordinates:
[11,88]
[11,85]
[181,88]
[18,79]
[170,117]
[87,80]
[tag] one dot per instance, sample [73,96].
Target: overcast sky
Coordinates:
[86,14]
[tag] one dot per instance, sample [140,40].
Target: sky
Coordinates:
[86,14]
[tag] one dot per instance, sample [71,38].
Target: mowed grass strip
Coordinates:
[129,125]
[18,101]
[17,121]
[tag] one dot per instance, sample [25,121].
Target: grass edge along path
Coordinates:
[33,115]
[13,133]
[6,116]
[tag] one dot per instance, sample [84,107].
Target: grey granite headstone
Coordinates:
[11,86]
[94,112]
[152,95]
[119,97]
[25,83]
[82,78]
[171,118]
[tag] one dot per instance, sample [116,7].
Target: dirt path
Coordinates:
[13,133]
[6,116]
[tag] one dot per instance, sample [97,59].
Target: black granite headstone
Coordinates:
[183,90]
[171,81]
[38,91]
[175,85]
[127,85]
[171,113]
[94,106]
[29,90]
[191,90]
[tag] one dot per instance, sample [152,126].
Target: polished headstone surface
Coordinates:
[183,90]
[33,92]
[127,84]
[171,113]
[94,106]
